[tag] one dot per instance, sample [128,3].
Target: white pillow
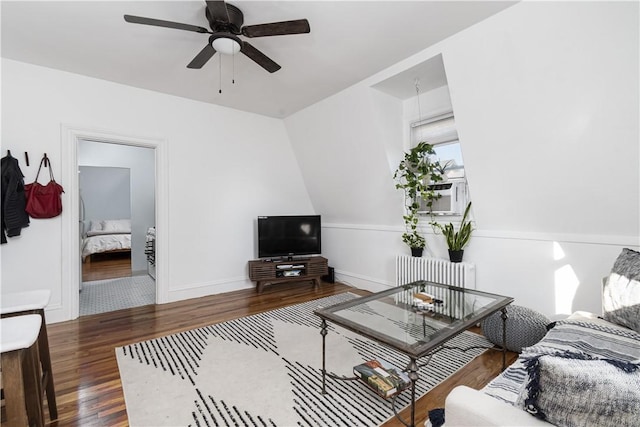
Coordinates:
[95,225]
[117,225]
[621,293]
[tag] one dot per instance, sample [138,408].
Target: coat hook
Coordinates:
[26,158]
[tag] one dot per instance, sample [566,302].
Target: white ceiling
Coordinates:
[349,41]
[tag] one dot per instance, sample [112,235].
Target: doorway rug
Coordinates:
[265,370]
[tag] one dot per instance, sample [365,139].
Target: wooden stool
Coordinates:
[21,370]
[34,302]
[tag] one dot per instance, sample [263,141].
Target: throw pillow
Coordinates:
[574,389]
[436,417]
[621,292]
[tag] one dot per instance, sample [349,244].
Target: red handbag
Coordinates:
[44,201]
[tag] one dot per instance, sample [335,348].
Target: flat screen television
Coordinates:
[289,236]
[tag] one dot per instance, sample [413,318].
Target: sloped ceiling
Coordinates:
[349,41]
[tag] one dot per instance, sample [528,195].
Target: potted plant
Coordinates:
[456,240]
[415,241]
[442,169]
[413,176]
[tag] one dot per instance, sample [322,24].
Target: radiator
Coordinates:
[409,269]
[459,274]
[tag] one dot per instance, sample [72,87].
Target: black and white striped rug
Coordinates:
[264,370]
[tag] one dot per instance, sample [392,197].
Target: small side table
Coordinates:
[34,302]
[21,370]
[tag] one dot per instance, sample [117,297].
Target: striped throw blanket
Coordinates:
[595,337]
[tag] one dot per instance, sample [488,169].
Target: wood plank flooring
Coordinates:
[106,266]
[86,374]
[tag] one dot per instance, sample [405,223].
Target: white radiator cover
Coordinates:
[459,274]
[409,269]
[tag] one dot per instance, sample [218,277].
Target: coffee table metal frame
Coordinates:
[426,347]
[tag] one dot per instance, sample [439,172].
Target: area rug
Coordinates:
[100,296]
[265,370]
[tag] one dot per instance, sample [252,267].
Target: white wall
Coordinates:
[547,106]
[224,168]
[141,162]
[546,102]
[342,144]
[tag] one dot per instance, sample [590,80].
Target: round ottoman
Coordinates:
[525,327]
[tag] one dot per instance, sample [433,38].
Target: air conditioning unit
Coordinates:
[453,198]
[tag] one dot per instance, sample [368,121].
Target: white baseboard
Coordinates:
[362,282]
[198,290]
[56,314]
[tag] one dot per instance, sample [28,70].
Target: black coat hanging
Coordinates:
[12,213]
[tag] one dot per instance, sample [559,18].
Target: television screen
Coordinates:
[288,235]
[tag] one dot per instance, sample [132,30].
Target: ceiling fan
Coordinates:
[226,22]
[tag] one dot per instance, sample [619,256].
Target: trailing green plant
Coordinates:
[413,176]
[456,240]
[414,240]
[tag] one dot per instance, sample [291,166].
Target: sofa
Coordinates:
[584,372]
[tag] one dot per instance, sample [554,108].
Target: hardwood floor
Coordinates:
[106,266]
[85,370]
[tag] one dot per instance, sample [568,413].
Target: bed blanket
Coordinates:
[105,243]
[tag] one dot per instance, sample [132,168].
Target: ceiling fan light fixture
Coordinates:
[226,45]
[226,22]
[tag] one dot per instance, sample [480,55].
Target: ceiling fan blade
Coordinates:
[167,24]
[202,57]
[283,28]
[259,58]
[218,10]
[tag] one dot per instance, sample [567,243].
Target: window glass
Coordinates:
[441,132]
[450,156]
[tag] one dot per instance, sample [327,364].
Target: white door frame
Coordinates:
[70,135]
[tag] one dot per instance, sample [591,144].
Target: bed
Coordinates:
[107,236]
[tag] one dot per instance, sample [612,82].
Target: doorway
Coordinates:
[116,184]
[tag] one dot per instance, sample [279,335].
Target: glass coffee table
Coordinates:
[416,319]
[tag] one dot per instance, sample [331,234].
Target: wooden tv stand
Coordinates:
[298,270]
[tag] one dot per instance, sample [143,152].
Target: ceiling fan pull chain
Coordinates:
[219,73]
[233,68]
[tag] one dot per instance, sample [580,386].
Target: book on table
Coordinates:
[423,296]
[423,301]
[382,377]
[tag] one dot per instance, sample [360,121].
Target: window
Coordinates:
[440,131]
